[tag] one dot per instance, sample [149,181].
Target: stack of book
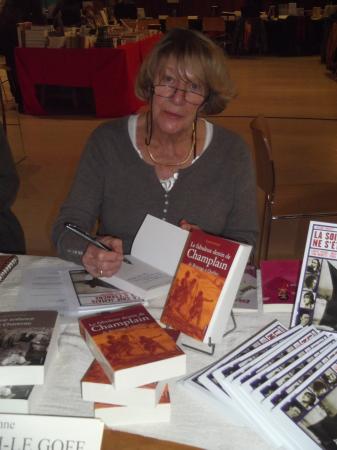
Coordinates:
[134,358]
[36,36]
[281,382]
[28,343]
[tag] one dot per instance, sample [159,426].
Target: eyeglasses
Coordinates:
[166,91]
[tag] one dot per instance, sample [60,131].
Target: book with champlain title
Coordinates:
[132,348]
[205,286]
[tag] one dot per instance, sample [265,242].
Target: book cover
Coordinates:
[18,399]
[205,285]
[28,341]
[247,300]
[132,348]
[96,387]
[153,260]
[115,415]
[7,264]
[316,298]
[91,295]
[308,415]
[287,381]
[279,280]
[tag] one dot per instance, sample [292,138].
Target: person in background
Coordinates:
[169,161]
[68,12]
[11,234]
[125,9]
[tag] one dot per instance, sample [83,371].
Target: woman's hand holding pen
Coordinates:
[99,262]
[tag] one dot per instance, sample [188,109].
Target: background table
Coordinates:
[193,421]
[110,72]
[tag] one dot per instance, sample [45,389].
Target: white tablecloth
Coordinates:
[193,421]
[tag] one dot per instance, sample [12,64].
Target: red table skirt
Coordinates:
[109,72]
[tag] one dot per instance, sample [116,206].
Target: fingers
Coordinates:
[101,263]
[188,226]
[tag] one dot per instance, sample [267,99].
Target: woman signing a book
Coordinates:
[169,161]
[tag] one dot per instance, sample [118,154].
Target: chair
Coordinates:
[285,202]
[176,22]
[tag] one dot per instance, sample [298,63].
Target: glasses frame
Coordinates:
[175,89]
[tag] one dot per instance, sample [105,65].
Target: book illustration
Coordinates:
[279,279]
[7,263]
[136,346]
[92,291]
[131,347]
[193,297]
[205,286]
[316,299]
[24,339]
[15,392]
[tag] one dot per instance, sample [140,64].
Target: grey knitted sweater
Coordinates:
[115,188]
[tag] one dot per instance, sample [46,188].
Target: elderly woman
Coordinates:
[168,162]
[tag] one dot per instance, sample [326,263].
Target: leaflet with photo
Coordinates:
[90,295]
[290,347]
[309,414]
[315,348]
[316,298]
[239,390]
[298,377]
[267,334]
[229,370]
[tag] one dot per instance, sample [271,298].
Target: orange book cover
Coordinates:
[132,348]
[199,283]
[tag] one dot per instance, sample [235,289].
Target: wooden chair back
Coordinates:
[264,164]
[176,22]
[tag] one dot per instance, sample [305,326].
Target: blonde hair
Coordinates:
[192,50]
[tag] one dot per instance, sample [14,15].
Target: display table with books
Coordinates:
[109,72]
[193,421]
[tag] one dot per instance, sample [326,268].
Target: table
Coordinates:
[193,422]
[110,72]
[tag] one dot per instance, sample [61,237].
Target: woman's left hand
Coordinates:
[188,226]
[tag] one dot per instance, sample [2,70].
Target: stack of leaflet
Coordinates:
[281,382]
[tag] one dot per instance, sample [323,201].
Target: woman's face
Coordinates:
[175,114]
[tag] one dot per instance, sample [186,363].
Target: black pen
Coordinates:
[77,230]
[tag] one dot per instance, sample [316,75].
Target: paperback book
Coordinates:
[205,286]
[147,272]
[132,348]
[96,387]
[116,415]
[316,298]
[28,341]
[279,280]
